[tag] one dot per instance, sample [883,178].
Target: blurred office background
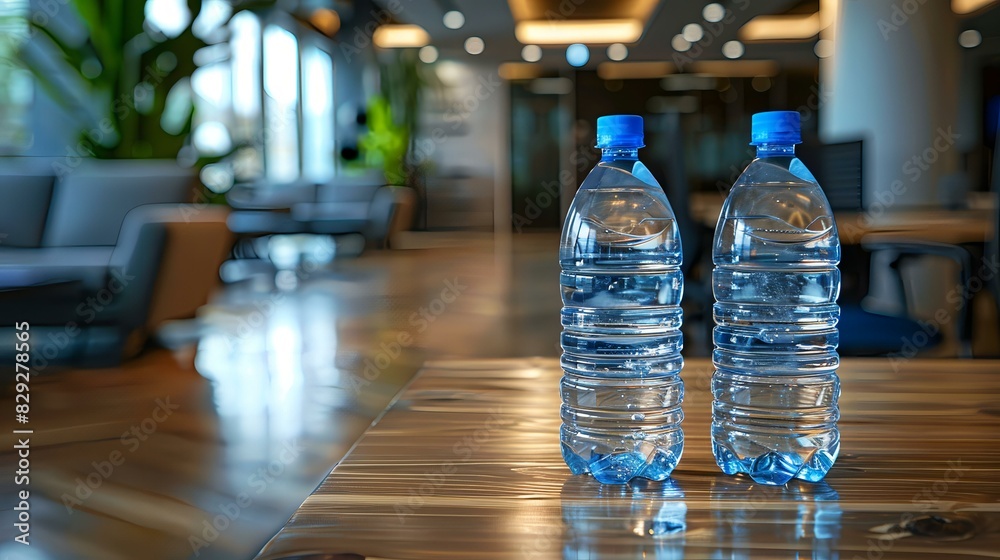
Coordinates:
[275,211]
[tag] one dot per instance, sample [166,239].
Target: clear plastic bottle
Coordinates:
[621,290]
[776,284]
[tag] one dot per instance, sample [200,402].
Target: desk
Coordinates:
[974,225]
[466,464]
[941,226]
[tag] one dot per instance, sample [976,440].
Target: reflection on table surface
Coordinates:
[466,464]
[637,515]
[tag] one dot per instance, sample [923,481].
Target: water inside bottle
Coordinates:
[621,288]
[776,285]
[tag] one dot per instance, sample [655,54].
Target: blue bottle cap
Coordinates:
[775,127]
[620,131]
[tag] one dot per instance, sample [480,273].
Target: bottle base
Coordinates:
[621,467]
[776,468]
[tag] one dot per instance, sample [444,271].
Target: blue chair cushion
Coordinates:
[863,333]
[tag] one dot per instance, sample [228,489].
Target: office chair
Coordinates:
[992,251]
[863,332]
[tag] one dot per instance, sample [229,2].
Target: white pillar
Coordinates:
[893,82]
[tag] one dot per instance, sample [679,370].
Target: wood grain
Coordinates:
[466,464]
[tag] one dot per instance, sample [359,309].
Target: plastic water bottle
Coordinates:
[621,290]
[776,284]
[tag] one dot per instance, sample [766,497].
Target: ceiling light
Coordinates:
[970,38]
[732,49]
[531,53]
[828,10]
[450,72]
[680,44]
[527,10]
[398,36]
[760,84]
[453,19]
[693,32]
[428,54]
[577,54]
[634,70]
[326,21]
[713,13]
[474,45]
[963,7]
[796,27]
[564,32]
[617,51]
[823,48]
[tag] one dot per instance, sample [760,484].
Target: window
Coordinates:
[317,92]
[282,101]
[15,82]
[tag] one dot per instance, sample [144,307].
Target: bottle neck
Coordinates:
[775,150]
[619,153]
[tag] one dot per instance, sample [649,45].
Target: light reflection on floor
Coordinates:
[260,375]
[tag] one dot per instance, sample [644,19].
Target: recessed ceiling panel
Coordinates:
[582,9]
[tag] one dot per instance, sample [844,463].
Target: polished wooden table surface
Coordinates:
[465,464]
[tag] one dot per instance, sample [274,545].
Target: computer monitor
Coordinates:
[839,172]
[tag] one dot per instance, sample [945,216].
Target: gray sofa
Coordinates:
[66,228]
[85,256]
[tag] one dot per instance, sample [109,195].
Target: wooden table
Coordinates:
[466,464]
[973,225]
[941,226]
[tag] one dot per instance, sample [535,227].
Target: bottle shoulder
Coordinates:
[781,188]
[776,215]
[621,192]
[620,215]
[620,174]
[776,169]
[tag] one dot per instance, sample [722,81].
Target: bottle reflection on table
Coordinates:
[750,517]
[641,519]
